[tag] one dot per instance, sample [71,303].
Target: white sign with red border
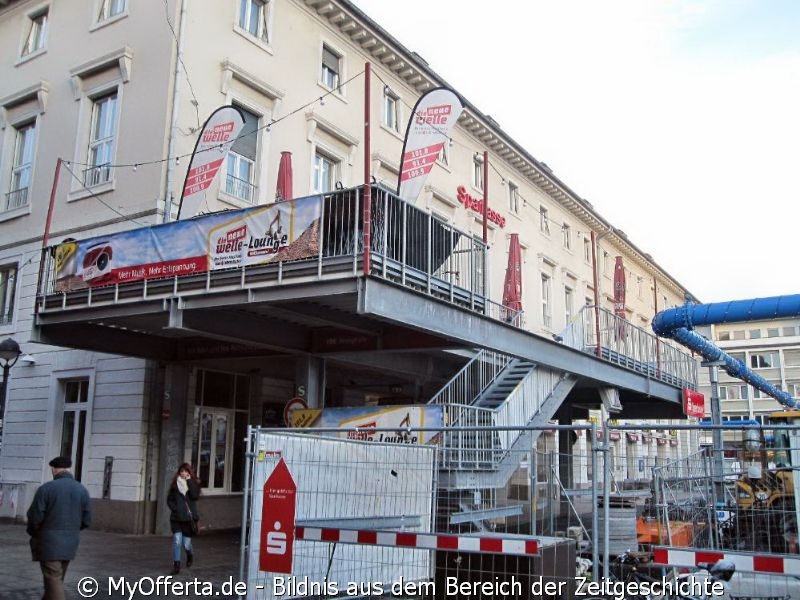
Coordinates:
[293,404]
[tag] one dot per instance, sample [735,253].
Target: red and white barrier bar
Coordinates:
[517,546]
[774,564]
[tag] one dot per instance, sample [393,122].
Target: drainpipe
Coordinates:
[367,217]
[173,130]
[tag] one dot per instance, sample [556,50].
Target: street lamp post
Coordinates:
[9,353]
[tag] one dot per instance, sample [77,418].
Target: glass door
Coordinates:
[214,449]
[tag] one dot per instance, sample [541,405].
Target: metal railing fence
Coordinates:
[623,343]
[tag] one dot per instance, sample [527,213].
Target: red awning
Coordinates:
[619,288]
[285,183]
[512,288]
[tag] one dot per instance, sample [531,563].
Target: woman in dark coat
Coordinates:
[182,503]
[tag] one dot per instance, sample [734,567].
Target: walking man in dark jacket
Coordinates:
[60,509]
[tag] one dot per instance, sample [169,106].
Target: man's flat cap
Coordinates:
[61,462]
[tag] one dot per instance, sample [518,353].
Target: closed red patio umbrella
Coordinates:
[619,288]
[284,187]
[512,288]
[619,298]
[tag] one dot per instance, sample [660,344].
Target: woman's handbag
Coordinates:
[194,523]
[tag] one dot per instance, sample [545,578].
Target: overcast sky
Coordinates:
[677,120]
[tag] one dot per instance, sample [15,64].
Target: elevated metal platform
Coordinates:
[402,321]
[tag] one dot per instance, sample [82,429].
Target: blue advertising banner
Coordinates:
[283,231]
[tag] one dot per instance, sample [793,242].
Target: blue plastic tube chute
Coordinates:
[677,324]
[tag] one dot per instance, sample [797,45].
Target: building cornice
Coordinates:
[381,47]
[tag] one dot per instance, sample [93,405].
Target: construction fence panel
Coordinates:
[372,516]
[342,484]
[738,498]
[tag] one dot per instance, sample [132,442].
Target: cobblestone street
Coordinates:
[104,556]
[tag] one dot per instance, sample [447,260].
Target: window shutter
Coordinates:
[330,59]
[245,144]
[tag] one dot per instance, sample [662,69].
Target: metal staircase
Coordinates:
[497,395]
[506,382]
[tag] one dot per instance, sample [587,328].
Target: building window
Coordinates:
[544,221]
[764,360]
[789,331]
[759,395]
[221,409]
[566,235]
[391,107]
[477,171]
[102,139]
[8,291]
[724,336]
[24,144]
[738,356]
[733,392]
[773,332]
[241,160]
[587,250]
[568,302]
[607,266]
[253,18]
[547,318]
[37,32]
[738,334]
[794,388]
[74,423]
[513,198]
[324,173]
[791,358]
[110,8]
[331,68]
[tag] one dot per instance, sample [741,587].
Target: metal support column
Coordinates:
[718,464]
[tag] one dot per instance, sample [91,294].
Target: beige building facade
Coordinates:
[118,91]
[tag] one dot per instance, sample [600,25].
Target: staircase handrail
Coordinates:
[523,403]
[467,385]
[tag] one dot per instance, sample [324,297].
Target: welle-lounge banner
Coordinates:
[284,231]
[434,115]
[402,422]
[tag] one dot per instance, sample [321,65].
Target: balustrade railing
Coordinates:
[623,343]
[17,199]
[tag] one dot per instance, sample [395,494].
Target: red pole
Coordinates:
[48,222]
[46,234]
[367,182]
[485,194]
[596,295]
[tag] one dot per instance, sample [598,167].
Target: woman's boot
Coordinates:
[189,558]
[176,567]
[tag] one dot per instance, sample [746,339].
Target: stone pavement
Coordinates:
[104,555]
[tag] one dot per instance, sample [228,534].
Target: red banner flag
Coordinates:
[210,150]
[277,521]
[434,115]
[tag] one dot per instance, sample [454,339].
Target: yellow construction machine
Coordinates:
[767,508]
